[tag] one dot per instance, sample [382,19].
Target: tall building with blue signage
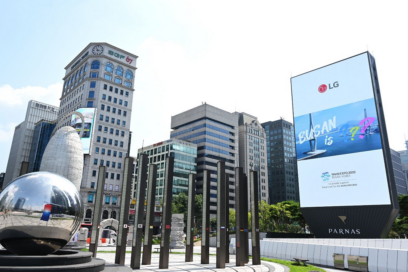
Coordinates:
[215,132]
[282,168]
[41,137]
[100,82]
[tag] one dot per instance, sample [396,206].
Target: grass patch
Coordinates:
[293,266]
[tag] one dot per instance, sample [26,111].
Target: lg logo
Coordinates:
[323,88]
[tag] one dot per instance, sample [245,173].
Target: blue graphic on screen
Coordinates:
[341,130]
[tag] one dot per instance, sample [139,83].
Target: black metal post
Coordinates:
[151,198]
[139,212]
[239,213]
[221,220]
[205,229]
[124,212]
[190,218]
[256,250]
[166,218]
[245,211]
[93,245]
[227,218]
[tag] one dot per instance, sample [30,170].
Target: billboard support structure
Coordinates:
[151,198]
[240,185]
[221,220]
[190,218]
[256,250]
[205,230]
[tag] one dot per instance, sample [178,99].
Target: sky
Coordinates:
[235,55]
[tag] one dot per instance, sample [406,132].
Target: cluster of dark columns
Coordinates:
[241,209]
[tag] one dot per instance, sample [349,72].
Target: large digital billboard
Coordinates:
[338,136]
[76,122]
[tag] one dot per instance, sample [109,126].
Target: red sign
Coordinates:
[132,211]
[322,88]
[167,226]
[207,229]
[129,60]
[158,144]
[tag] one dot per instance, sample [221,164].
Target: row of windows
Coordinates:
[109,141]
[107,201]
[108,164]
[208,120]
[109,152]
[217,150]
[115,100]
[112,120]
[202,126]
[206,155]
[214,165]
[111,131]
[209,134]
[109,68]
[75,77]
[112,176]
[105,87]
[213,142]
[108,109]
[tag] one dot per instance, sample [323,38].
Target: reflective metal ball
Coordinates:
[39,213]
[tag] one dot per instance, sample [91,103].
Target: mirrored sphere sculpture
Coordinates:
[39,213]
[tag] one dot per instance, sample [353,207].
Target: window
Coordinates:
[104,140]
[107,163]
[105,87]
[113,164]
[110,141]
[123,123]
[95,161]
[98,139]
[94,173]
[112,175]
[127,94]
[108,77]
[113,110]
[109,152]
[118,122]
[124,113]
[121,92]
[106,175]
[116,189]
[122,133]
[115,100]
[116,90]
[90,198]
[111,131]
[91,94]
[110,187]
[102,107]
[119,111]
[103,151]
[109,98]
[99,128]
[90,104]
[85,67]
[104,97]
[119,165]
[119,71]
[120,154]
[94,74]
[120,101]
[128,75]
[128,84]
[101,162]
[116,142]
[92,185]
[121,144]
[117,132]
[93,84]
[118,80]
[108,108]
[114,154]
[109,67]
[110,88]
[126,103]
[107,119]
[107,200]
[113,120]
[95,65]
[117,176]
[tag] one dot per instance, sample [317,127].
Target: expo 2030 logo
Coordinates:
[325,176]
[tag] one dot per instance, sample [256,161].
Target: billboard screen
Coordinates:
[76,122]
[338,142]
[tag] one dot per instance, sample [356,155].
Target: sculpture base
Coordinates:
[62,260]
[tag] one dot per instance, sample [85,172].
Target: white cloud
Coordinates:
[12,97]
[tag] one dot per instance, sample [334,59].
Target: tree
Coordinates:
[265,224]
[232,219]
[400,226]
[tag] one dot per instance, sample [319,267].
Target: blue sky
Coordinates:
[236,55]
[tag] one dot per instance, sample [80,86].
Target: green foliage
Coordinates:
[179,205]
[232,217]
[293,266]
[213,223]
[400,227]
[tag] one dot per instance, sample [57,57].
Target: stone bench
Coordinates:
[300,260]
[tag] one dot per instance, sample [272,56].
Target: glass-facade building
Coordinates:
[282,167]
[41,137]
[399,175]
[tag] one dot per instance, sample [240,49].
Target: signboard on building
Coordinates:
[76,122]
[341,140]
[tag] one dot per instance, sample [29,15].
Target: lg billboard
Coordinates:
[341,141]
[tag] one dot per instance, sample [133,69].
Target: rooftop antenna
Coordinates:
[142,145]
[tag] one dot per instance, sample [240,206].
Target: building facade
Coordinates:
[399,175]
[101,76]
[23,137]
[41,137]
[2,175]
[404,161]
[252,152]
[215,132]
[282,166]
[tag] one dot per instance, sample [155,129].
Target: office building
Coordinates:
[23,137]
[102,77]
[252,152]
[282,167]
[215,132]
[399,175]
[41,137]
[404,161]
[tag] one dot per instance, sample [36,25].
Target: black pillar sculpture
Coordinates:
[240,194]
[124,212]
[190,218]
[256,250]
[93,245]
[139,212]
[151,198]
[221,220]
[205,229]
[166,218]
[227,218]
[245,211]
